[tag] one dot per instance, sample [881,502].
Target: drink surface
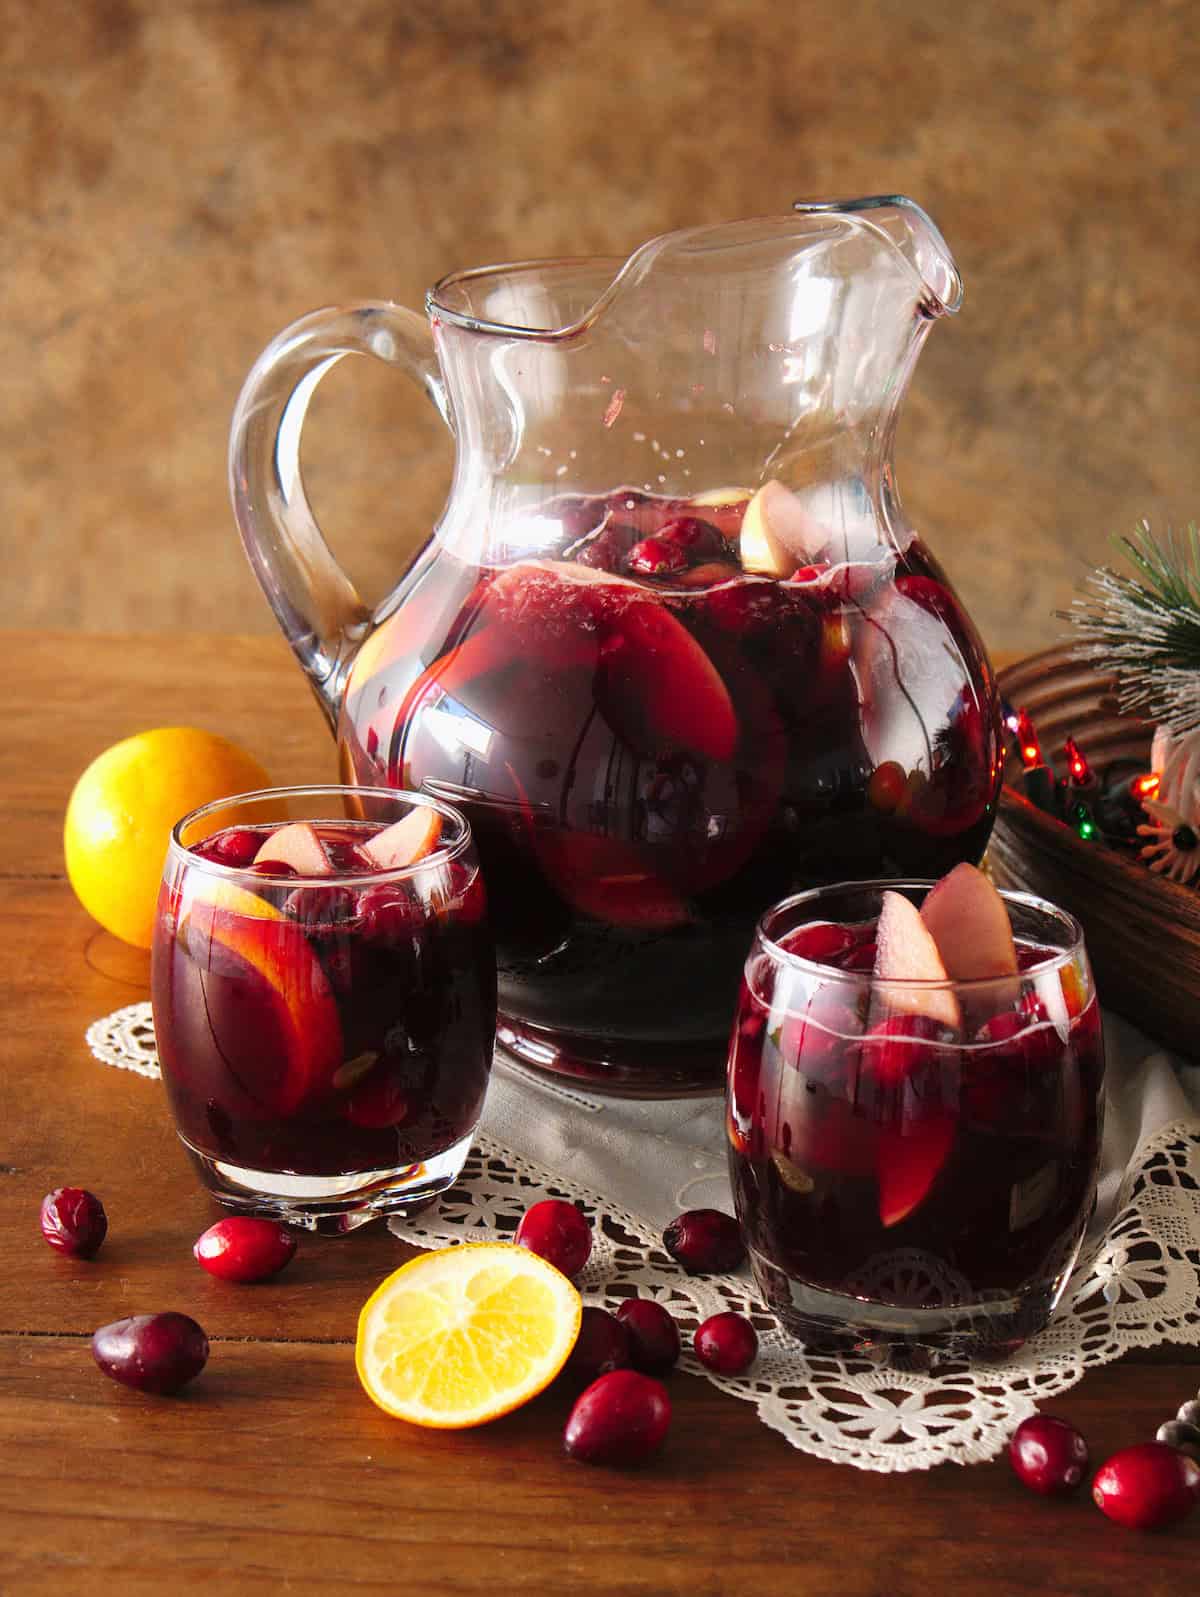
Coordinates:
[884,1156]
[322,1027]
[653,743]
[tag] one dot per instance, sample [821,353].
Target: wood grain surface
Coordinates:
[273,1472]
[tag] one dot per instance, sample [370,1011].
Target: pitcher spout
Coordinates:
[911,231]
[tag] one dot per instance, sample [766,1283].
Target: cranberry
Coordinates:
[236,846]
[726,1343]
[656,557]
[558,1232]
[601,1346]
[821,941]
[620,1419]
[74,1221]
[151,1352]
[700,538]
[244,1247]
[1048,1455]
[653,1336]
[1146,1486]
[704,1241]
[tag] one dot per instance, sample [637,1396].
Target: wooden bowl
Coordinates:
[1142,931]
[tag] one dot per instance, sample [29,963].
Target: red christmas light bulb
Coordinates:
[1146,787]
[1077,765]
[1031,751]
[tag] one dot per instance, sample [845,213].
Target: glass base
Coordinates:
[330,1205]
[613,1065]
[912,1336]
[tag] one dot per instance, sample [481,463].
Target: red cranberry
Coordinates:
[821,941]
[601,1346]
[244,1247]
[558,1232]
[653,1336]
[620,1419]
[236,847]
[74,1221]
[656,557]
[151,1352]
[726,1343]
[1146,1486]
[704,1241]
[1048,1455]
[700,538]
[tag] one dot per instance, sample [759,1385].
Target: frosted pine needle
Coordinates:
[1146,627]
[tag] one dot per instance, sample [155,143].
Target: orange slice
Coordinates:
[461,1336]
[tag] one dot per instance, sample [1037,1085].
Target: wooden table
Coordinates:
[273,1472]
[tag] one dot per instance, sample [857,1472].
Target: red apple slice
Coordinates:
[279,1036]
[907,956]
[296,845]
[966,917]
[908,1164]
[659,690]
[406,841]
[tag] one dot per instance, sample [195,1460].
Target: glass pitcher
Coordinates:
[672,646]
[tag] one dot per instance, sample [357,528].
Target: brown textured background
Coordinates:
[178,179]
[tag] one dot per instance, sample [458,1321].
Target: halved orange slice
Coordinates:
[466,1334]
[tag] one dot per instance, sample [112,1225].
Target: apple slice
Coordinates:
[297,845]
[966,917]
[267,1010]
[906,954]
[908,1164]
[406,841]
[724,507]
[778,535]
[658,689]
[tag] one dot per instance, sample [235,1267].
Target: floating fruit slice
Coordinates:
[905,954]
[610,880]
[659,690]
[296,845]
[406,841]
[281,1037]
[464,1335]
[778,534]
[909,1161]
[966,917]
[723,507]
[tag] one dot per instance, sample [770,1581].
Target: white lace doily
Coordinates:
[1136,1285]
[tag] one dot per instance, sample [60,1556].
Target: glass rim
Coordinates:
[1058,959]
[443,854]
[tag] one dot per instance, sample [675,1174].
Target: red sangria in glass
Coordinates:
[914,1156]
[324,1000]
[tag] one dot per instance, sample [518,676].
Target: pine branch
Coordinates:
[1146,628]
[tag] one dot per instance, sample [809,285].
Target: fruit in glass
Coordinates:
[648,747]
[914,1156]
[324,1000]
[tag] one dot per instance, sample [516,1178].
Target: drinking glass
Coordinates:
[324,1020]
[913,1162]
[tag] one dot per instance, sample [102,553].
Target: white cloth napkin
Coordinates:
[656,1158]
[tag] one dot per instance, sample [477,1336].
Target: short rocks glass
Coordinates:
[324,1000]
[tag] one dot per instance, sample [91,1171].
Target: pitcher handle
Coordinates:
[318,607]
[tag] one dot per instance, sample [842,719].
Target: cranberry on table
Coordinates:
[602,1346]
[244,1247]
[726,1343]
[620,1419]
[1048,1455]
[704,1241]
[73,1221]
[1147,1486]
[653,1336]
[558,1232]
[151,1352]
